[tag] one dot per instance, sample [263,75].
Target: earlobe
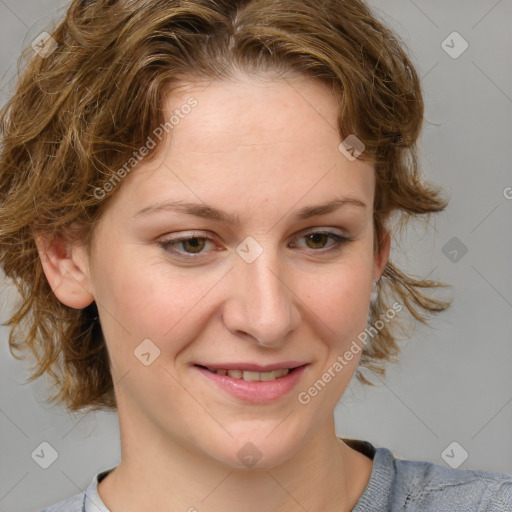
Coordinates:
[66,268]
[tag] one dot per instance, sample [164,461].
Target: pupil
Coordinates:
[194,243]
[315,238]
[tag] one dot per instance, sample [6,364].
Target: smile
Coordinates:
[252,376]
[253,387]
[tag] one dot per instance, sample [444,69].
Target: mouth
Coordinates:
[252,376]
[253,387]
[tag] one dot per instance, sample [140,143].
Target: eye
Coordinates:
[319,238]
[192,245]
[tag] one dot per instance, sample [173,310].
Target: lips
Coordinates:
[252,367]
[254,391]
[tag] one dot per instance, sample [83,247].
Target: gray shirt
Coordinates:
[395,485]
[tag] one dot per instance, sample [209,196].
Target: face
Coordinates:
[266,285]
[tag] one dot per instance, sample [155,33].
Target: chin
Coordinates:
[260,453]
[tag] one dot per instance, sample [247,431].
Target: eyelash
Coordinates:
[168,245]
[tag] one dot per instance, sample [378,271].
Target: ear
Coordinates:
[66,267]
[381,258]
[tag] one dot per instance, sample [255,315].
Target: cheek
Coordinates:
[339,298]
[145,299]
[130,303]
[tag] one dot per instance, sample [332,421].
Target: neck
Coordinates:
[165,474]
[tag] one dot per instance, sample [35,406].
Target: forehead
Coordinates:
[246,112]
[251,138]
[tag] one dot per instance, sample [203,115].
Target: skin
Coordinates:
[262,149]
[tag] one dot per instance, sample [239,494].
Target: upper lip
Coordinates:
[253,367]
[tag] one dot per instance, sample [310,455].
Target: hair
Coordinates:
[81,110]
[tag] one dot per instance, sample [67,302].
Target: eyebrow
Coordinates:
[209,212]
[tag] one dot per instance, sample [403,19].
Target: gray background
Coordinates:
[454,381]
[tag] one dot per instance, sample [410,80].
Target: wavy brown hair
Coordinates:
[80,112]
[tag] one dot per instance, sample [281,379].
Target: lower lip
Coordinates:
[255,392]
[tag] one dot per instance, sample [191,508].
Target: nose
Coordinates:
[262,302]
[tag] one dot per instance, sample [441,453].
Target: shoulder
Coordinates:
[427,486]
[73,504]
[86,501]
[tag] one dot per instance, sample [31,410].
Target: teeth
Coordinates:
[253,376]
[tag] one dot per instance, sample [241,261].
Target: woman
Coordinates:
[209,252]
